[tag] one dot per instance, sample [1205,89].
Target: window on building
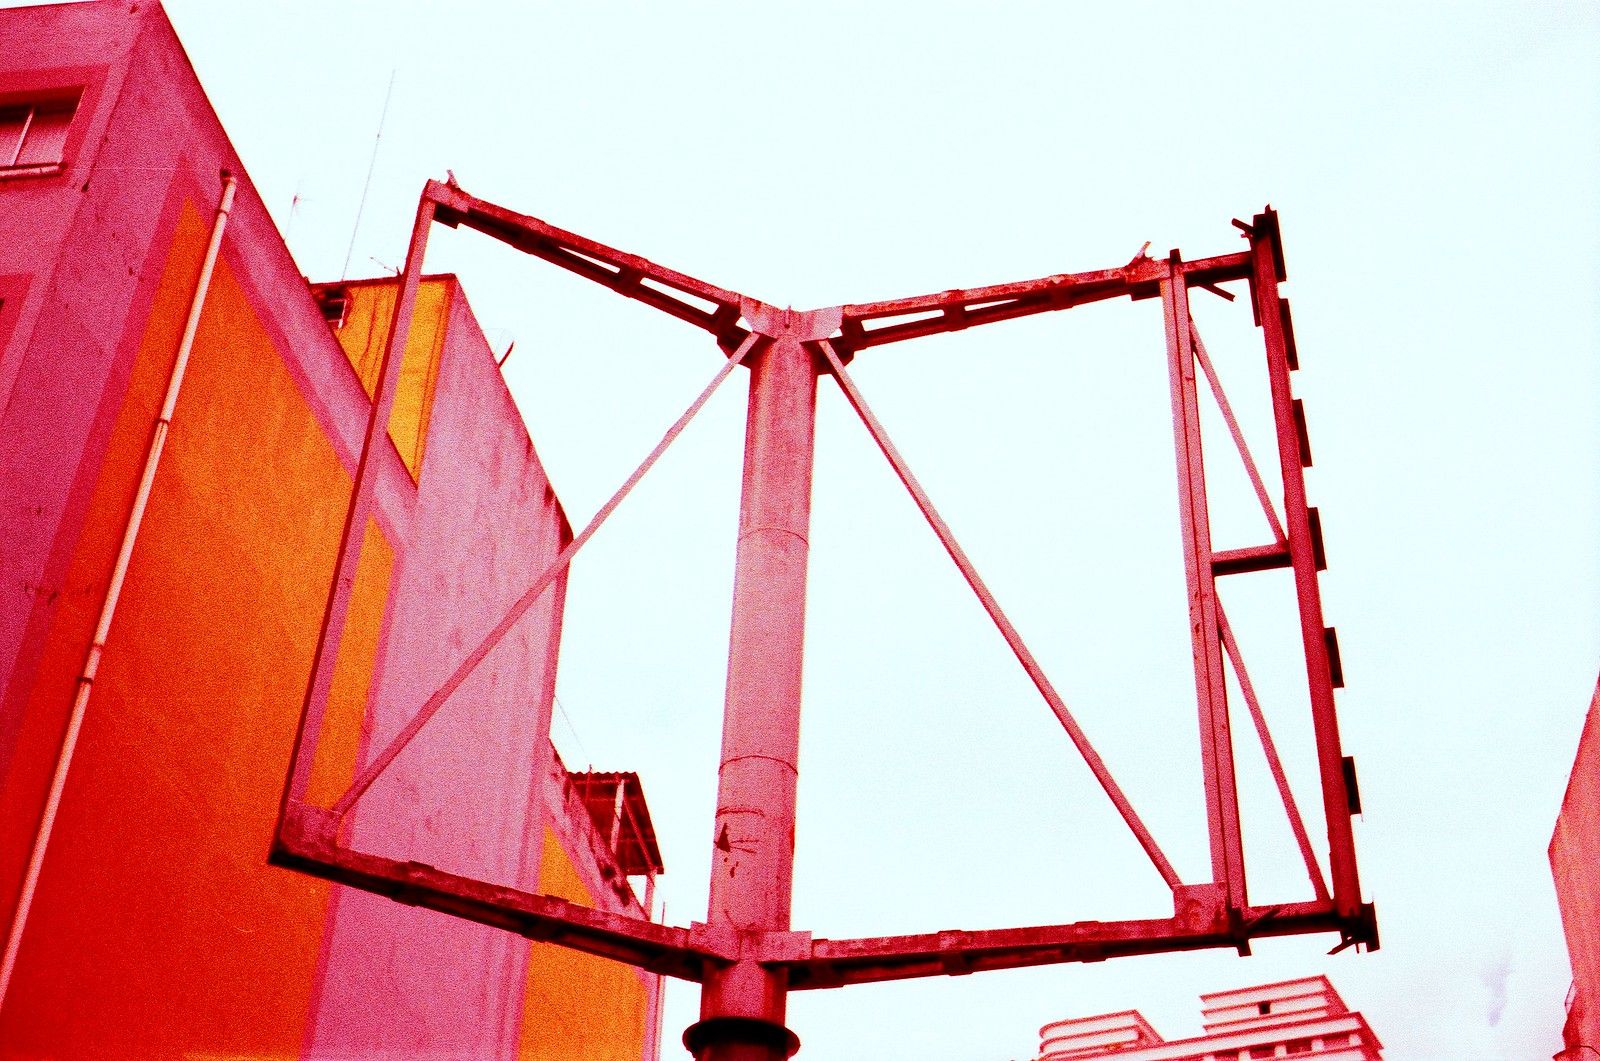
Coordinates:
[1263,1008]
[33,135]
[1297,1046]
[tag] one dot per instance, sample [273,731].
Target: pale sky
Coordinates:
[1436,167]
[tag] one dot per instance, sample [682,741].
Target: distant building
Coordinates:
[1575,863]
[157,928]
[1295,1019]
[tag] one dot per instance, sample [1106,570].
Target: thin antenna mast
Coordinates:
[344,273]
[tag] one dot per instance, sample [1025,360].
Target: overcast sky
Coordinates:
[1436,167]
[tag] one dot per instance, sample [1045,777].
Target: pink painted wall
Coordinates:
[51,391]
[464,796]
[1575,862]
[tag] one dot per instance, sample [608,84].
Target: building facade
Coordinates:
[1294,1019]
[154,926]
[1575,864]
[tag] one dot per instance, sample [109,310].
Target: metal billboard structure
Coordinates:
[746,955]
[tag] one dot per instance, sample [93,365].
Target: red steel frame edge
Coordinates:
[745,955]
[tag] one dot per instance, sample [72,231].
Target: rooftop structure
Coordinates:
[1293,1019]
[616,805]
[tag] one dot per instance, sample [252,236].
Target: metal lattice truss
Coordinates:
[1214,913]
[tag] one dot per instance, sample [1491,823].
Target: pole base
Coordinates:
[744,1030]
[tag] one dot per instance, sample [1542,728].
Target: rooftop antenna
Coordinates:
[383,116]
[294,209]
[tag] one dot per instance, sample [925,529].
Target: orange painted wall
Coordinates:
[578,1007]
[158,931]
[365,334]
[46,713]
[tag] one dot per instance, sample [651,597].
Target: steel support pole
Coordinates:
[743,1004]
[1267,267]
[1211,693]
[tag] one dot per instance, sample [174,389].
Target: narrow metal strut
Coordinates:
[1270,748]
[1226,409]
[1013,639]
[520,607]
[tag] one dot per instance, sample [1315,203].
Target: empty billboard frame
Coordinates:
[746,955]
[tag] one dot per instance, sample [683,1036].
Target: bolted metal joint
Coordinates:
[1201,908]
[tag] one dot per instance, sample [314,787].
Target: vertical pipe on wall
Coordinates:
[119,573]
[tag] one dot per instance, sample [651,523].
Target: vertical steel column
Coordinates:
[1267,269]
[1216,741]
[743,1005]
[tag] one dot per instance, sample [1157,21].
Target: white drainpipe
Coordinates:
[102,630]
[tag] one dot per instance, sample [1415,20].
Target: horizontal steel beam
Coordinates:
[661,288]
[308,842]
[956,310]
[1252,558]
[627,274]
[1201,921]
